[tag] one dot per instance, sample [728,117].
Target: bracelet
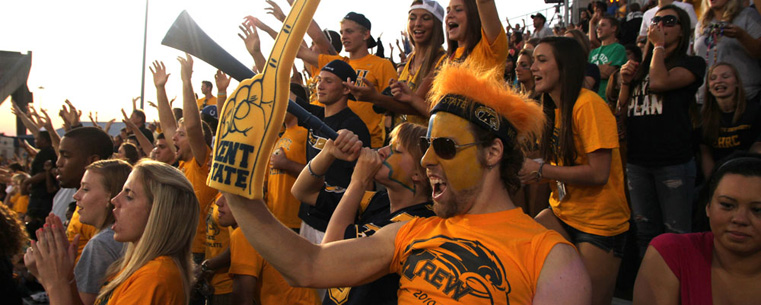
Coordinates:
[311,172]
[540,171]
[659,47]
[76,126]
[221,93]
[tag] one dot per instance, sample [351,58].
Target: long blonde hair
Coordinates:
[170,228]
[731,10]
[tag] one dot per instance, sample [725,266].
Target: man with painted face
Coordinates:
[480,248]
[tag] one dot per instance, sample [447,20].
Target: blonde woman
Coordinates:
[155,214]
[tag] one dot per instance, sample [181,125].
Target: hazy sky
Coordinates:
[90,52]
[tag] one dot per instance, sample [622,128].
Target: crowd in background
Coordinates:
[651,124]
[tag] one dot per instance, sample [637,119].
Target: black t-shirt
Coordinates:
[739,136]
[148,134]
[375,216]
[338,176]
[658,127]
[594,72]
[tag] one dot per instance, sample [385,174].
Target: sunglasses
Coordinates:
[445,148]
[668,20]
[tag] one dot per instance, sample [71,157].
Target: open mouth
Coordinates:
[438,185]
[452,25]
[719,87]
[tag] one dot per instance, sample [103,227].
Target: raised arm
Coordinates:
[312,178]
[31,126]
[250,37]
[47,122]
[166,116]
[662,78]
[223,81]
[308,265]
[368,163]
[145,145]
[190,113]
[490,23]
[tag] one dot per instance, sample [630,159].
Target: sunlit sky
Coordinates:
[91,52]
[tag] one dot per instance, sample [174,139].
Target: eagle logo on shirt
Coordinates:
[458,268]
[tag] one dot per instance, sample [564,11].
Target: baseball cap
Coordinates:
[539,15]
[334,38]
[432,7]
[210,110]
[363,21]
[341,69]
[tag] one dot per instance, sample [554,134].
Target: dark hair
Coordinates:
[12,234]
[582,39]
[512,157]
[711,113]
[177,113]
[92,141]
[739,163]
[208,83]
[473,31]
[742,163]
[434,51]
[613,22]
[16,167]
[160,136]
[673,58]
[141,114]
[634,7]
[43,135]
[635,50]
[131,154]
[571,62]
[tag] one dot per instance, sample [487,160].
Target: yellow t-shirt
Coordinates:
[217,241]
[600,210]
[197,175]
[489,55]
[279,199]
[158,282]
[491,258]
[85,232]
[413,83]
[271,286]
[20,203]
[378,71]
[211,101]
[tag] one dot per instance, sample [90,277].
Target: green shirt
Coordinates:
[613,54]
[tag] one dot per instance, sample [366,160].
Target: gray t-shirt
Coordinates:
[730,50]
[98,254]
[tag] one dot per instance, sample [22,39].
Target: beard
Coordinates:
[457,202]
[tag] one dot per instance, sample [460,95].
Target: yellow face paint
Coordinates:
[455,181]
[400,167]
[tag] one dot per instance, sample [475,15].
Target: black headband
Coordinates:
[484,116]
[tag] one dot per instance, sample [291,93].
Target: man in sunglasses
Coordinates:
[647,17]
[480,248]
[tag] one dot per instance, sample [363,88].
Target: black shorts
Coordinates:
[615,243]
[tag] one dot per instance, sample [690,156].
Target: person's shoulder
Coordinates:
[162,267]
[684,5]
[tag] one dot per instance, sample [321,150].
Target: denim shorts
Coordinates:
[615,243]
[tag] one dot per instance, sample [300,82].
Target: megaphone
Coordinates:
[185,35]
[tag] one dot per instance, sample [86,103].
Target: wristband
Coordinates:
[221,93]
[659,47]
[540,171]
[309,168]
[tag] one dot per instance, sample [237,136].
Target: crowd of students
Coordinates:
[507,167]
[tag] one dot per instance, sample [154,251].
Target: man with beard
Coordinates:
[480,248]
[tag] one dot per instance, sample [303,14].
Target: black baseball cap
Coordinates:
[341,69]
[363,21]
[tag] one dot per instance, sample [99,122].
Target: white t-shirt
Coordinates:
[649,14]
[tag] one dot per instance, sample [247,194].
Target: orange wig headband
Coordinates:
[481,97]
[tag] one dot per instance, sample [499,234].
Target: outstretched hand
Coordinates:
[362,93]
[186,67]
[250,35]
[222,80]
[400,91]
[275,10]
[70,114]
[160,76]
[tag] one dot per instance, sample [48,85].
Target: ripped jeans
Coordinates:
[661,199]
